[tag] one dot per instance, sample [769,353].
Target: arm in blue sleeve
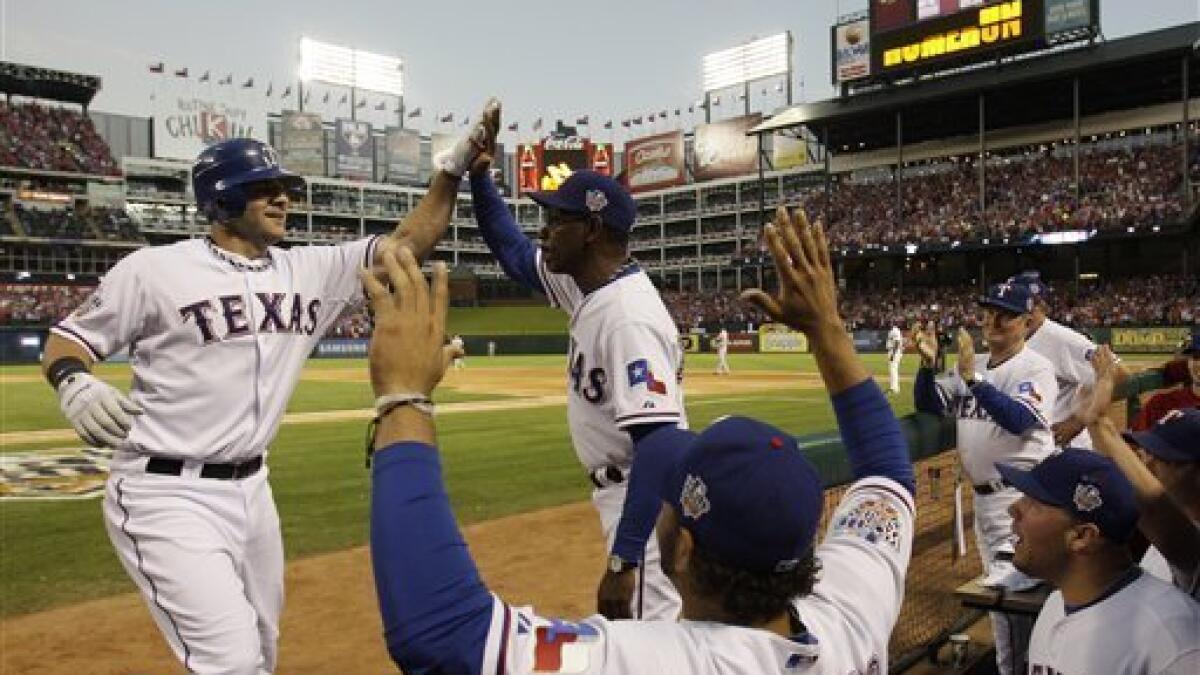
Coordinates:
[436,610]
[1006,411]
[511,247]
[925,394]
[655,449]
[872,436]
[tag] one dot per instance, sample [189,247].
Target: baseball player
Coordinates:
[218,330]
[1003,401]
[460,353]
[738,533]
[722,343]
[1070,353]
[1106,616]
[895,350]
[625,366]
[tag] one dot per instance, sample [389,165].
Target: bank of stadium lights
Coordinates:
[754,60]
[346,67]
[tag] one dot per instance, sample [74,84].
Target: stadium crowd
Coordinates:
[52,139]
[95,223]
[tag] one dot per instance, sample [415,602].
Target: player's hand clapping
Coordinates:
[927,347]
[408,354]
[966,355]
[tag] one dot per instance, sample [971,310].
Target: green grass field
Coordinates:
[497,463]
[500,320]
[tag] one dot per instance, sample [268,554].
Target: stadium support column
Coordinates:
[982,165]
[1075,150]
[828,176]
[300,96]
[1186,183]
[353,103]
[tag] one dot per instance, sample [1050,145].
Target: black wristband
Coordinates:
[64,368]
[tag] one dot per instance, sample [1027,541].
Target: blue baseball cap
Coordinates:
[746,493]
[590,192]
[1087,485]
[1174,438]
[1012,297]
[1031,279]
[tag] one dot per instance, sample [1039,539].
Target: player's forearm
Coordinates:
[925,394]
[642,502]
[1011,415]
[435,608]
[513,250]
[427,222]
[58,347]
[1163,522]
[833,350]
[871,435]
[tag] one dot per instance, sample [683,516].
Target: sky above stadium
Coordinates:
[608,60]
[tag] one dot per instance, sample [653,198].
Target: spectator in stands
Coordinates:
[1185,396]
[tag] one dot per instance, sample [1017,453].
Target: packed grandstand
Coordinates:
[919,230]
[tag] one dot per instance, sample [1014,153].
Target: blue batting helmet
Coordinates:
[222,171]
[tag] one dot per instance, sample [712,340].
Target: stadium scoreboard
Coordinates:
[901,38]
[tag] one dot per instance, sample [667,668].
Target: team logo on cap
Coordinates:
[595,200]
[694,498]
[1087,497]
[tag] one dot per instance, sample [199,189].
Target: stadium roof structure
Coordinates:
[17,79]
[1131,72]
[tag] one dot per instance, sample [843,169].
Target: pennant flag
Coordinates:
[445,119]
[325,99]
[287,91]
[466,121]
[270,88]
[625,123]
[537,124]
[228,79]
[512,127]
[677,112]
[345,99]
[663,114]
[307,95]
[582,121]
[361,104]
[416,112]
[637,120]
[691,109]
[182,72]
[382,105]
[608,124]
[157,67]
[204,77]
[248,83]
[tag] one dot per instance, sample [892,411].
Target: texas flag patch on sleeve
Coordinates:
[563,647]
[640,373]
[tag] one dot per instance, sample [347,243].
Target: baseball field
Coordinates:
[66,606]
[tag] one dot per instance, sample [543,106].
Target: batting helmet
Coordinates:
[222,171]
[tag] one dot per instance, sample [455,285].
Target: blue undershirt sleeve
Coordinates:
[874,443]
[436,610]
[514,251]
[656,447]
[1007,412]
[925,394]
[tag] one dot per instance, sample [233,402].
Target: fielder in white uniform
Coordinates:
[722,342]
[460,354]
[218,330]
[1070,353]
[1003,402]
[625,366]
[895,350]
[1107,615]
[739,533]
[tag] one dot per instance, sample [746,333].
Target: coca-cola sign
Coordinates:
[655,162]
[565,143]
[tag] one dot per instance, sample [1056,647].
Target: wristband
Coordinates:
[386,404]
[63,368]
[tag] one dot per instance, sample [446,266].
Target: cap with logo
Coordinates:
[590,192]
[1010,297]
[1031,279]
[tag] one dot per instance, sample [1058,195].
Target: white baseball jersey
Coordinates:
[723,341]
[1070,353]
[1147,627]
[216,340]
[848,617]
[895,344]
[1026,377]
[456,342]
[625,365]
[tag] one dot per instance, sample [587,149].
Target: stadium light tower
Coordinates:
[353,68]
[745,63]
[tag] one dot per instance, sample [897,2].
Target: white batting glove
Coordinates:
[99,412]
[457,160]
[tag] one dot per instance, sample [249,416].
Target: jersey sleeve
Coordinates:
[1036,390]
[337,266]
[561,289]
[114,314]
[1074,362]
[864,557]
[644,365]
[520,641]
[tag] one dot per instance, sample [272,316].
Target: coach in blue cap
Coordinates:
[740,512]
[1106,615]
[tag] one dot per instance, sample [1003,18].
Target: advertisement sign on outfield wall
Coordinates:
[723,149]
[1165,340]
[302,143]
[654,162]
[776,337]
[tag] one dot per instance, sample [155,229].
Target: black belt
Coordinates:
[606,476]
[174,467]
[992,487]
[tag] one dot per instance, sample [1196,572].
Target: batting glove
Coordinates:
[457,159]
[99,412]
